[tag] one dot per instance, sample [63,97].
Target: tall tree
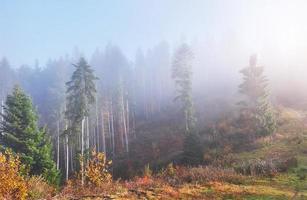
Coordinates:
[256,107]
[182,74]
[80,95]
[20,132]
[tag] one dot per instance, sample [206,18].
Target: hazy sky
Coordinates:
[33,29]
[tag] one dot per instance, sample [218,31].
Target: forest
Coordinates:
[217,116]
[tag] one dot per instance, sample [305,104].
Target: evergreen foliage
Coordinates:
[20,133]
[256,107]
[182,74]
[80,92]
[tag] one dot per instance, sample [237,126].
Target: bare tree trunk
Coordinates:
[133,123]
[82,151]
[103,133]
[109,127]
[87,134]
[112,130]
[58,146]
[128,116]
[67,157]
[125,125]
[97,133]
[71,159]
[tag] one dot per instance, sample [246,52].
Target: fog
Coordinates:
[141,57]
[222,34]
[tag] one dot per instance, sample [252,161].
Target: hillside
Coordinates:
[286,180]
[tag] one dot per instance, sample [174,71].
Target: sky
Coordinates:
[34,29]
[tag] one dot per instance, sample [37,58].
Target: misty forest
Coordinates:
[153,100]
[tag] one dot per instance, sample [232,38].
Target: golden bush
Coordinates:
[12,184]
[97,169]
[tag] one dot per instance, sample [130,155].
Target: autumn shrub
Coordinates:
[168,174]
[266,167]
[39,189]
[97,169]
[257,167]
[147,171]
[74,190]
[146,181]
[12,184]
[201,175]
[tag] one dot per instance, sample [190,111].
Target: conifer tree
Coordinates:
[20,133]
[256,107]
[182,74]
[80,95]
[80,92]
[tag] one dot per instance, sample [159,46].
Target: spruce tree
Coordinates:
[80,92]
[255,107]
[20,133]
[80,95]
[182,74]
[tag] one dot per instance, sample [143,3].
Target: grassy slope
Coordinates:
[290,139]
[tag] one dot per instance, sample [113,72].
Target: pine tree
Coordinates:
[80,92]
[182,74]
[21,134]
[256,107]
[80,95]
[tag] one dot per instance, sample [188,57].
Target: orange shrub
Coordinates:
[12,184]
[97,169]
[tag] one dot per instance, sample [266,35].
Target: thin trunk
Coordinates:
[58,146]
[103,133]
[82,151]
[128,116]
[67,157]
[87,134]
[125,125]
[133,123]
[112,129]
[109,127]
[97,134]
[71,159]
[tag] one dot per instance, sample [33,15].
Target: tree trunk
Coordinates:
[87,134]
[82,151]
[67,157]
[112,130]
[97,133]
[109,127]
[58,146]
[103,133]
[125,126]
[71,159]
[128,116]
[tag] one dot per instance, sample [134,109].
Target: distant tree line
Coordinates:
[98,104]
